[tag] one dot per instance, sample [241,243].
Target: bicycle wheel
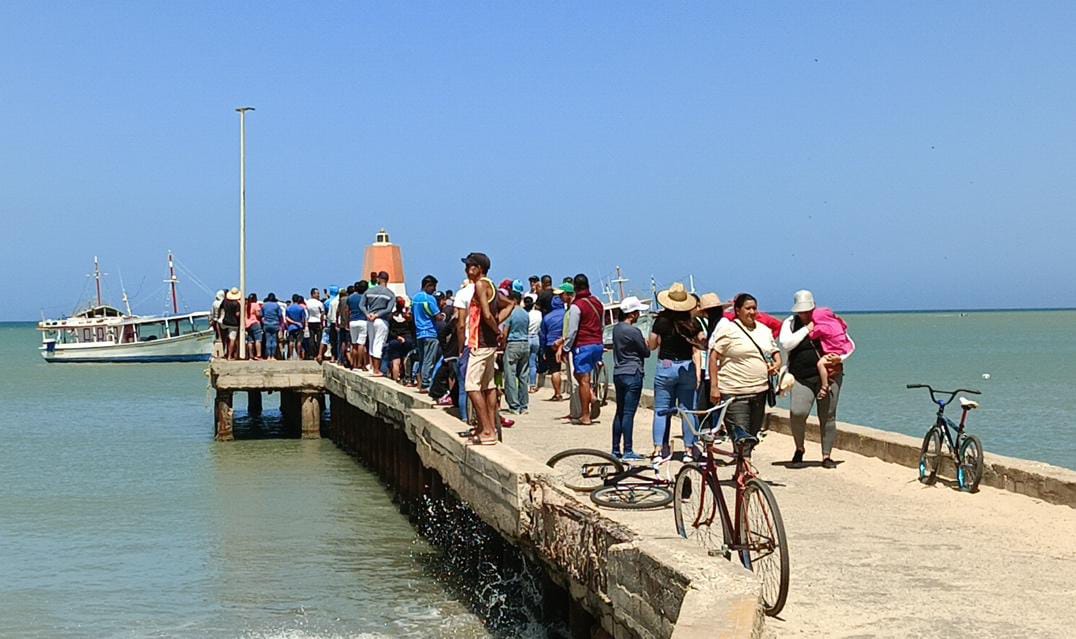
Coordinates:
[970,470]
[695,509]
[630,496]
[584,469]
[764,545]
[930,457]
[600,384]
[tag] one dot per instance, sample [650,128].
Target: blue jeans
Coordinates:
[536,345]
[516,372]
[461,375]
[429,351]
[629,388]
[271,333]
[674,383]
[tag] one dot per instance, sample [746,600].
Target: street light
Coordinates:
[243,230]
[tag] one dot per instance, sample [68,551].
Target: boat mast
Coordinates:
[619,281]
[97,278]
[172,281]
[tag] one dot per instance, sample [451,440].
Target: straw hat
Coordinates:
[711,300]
[234,294]
[676,298]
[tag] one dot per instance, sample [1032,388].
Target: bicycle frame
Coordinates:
[744,473]
[943,423]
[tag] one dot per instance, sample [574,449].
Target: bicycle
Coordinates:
[965,451]
[755,530]
[612,483]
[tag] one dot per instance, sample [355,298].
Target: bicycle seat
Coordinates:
[968,404]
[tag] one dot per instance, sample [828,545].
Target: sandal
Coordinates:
[478,441]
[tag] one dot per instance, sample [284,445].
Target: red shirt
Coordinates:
[590,319]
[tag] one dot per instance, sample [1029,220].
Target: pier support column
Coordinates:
[311,415]
[222,417]
[254,403]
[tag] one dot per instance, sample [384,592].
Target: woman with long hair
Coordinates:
[674,335]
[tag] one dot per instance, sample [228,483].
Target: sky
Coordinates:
[909,155]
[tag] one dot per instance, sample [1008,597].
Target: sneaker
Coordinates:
[797,457]
[616,453]
[632,456]
[445,401]
[829,463]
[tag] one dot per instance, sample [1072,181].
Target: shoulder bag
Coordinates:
[772,381]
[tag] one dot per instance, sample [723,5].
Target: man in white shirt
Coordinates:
[314,310]
[461,302]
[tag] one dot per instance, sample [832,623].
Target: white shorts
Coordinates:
[358,332]
[379,332]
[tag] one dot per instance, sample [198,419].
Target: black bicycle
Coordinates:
[965,451]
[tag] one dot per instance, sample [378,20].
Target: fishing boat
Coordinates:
[612,306]
[103,334]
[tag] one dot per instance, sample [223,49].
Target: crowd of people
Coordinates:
[486,342]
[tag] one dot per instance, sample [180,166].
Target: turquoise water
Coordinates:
[120,517]
[1028,402]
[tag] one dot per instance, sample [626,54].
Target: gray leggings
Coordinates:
[803,397]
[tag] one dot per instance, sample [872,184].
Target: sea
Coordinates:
[121,517]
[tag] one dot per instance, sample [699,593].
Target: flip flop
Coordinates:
[478,441]
[465,433]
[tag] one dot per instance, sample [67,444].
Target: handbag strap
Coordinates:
[745,332]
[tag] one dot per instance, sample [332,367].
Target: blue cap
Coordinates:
[333,290]
[517,286]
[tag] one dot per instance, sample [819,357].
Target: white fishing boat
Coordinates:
[102,333]
[612,306]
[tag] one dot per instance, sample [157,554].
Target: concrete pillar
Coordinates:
[223,417]
[311,416]
[254,403]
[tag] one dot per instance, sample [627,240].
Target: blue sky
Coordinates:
[888,156]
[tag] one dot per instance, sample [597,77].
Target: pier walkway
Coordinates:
[873,552]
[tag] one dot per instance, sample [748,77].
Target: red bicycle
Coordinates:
[754,530]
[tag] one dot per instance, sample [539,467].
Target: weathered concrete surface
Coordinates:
[874,553]
[635,585]
[1034,479]
[232,375]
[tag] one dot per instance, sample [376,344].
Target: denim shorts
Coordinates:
[587,358]
[255,333]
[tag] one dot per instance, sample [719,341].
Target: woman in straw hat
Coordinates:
[674,335]
[229,323]
[712,317]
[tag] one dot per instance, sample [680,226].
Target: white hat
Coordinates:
[631,304]
[802,301]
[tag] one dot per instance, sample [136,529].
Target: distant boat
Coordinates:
[612,306]
[102,333]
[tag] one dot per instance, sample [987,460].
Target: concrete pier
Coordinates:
[301,385]
[873,552]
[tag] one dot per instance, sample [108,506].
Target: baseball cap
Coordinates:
[565,287]
[478,259]
[383,275]
[517,286]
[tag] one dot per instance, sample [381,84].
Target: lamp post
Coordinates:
[243,230]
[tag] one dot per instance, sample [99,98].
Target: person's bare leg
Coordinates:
[258,349]
[395,369]
[823,390]
[556,384]
[489,429]
[584,398]
[478,405]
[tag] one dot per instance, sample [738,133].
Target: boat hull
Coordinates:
[194,347]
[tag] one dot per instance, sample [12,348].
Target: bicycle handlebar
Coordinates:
[952,394]
[720,406]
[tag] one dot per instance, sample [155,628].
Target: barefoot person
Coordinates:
[483,318]
[804,355]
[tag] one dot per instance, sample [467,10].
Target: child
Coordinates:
[831,333]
